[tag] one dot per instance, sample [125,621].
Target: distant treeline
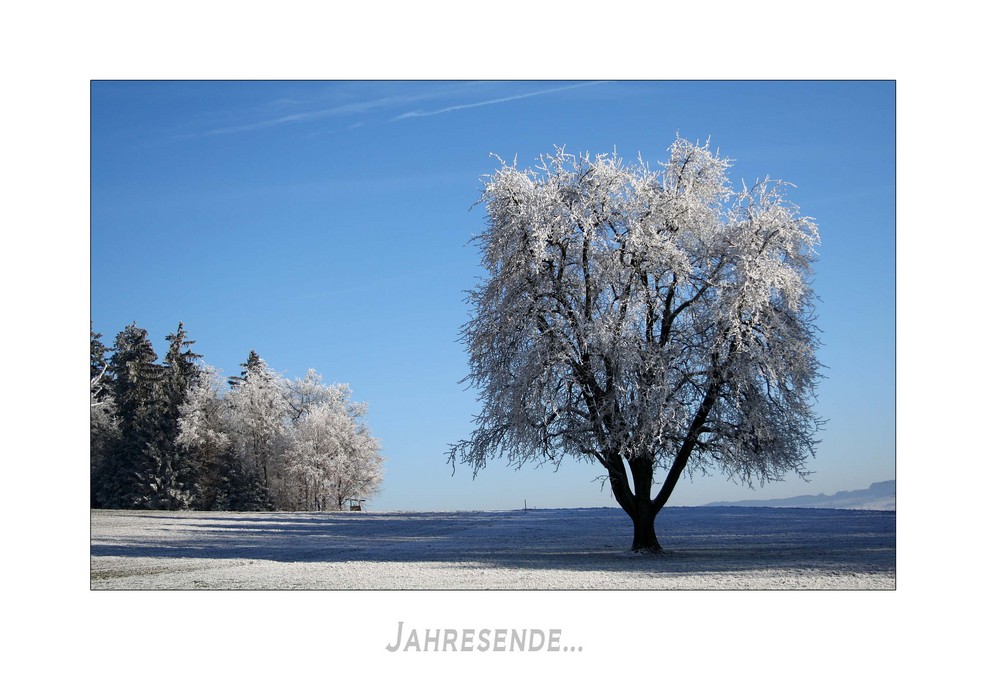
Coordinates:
[174,434]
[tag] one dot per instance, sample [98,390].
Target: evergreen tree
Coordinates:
[169,473]
[181,368]
[241,488]
[135,380]
[253,364]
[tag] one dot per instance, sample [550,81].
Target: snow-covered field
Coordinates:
[707,548]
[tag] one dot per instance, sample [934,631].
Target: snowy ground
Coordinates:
[707,548]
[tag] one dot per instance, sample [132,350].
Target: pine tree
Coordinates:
[253,364]
[241,488]
[135,381]
[181,368]
[170,472]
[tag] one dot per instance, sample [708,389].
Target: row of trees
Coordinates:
[177,435]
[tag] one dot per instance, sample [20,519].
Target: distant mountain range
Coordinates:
[880,495]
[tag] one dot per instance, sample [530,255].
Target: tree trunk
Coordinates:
[643,510]
[638,505]
[643,533]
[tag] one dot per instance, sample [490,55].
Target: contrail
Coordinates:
[463,106]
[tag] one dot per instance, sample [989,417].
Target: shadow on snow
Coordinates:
[696,539]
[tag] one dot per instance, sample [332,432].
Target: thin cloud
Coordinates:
[308,116]
[373,105]
[490,102]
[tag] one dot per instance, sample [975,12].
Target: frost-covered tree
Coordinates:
[101,404]
[169,475]
[173,436]
[98,364]
[201,425]
[306,439]
[253,363]
[105,434]
[135,460]
[210,431]
[358,470]
[306,393]
[646,319]
[330,455]
[136,377]
[181,368]
[258,411]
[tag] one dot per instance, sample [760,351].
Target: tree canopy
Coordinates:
[645,319]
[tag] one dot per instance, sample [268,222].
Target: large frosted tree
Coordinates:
[648,319]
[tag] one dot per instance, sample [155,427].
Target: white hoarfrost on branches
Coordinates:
[648,318]
[304,442]
[204,419]
[102,406]
[305,393]
[258,410]
[331,457]
[329,452]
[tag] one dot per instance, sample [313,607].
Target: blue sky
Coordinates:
[326,225]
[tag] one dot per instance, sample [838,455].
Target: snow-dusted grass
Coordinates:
[706,548]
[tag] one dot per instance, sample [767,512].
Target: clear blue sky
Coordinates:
[326,225]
